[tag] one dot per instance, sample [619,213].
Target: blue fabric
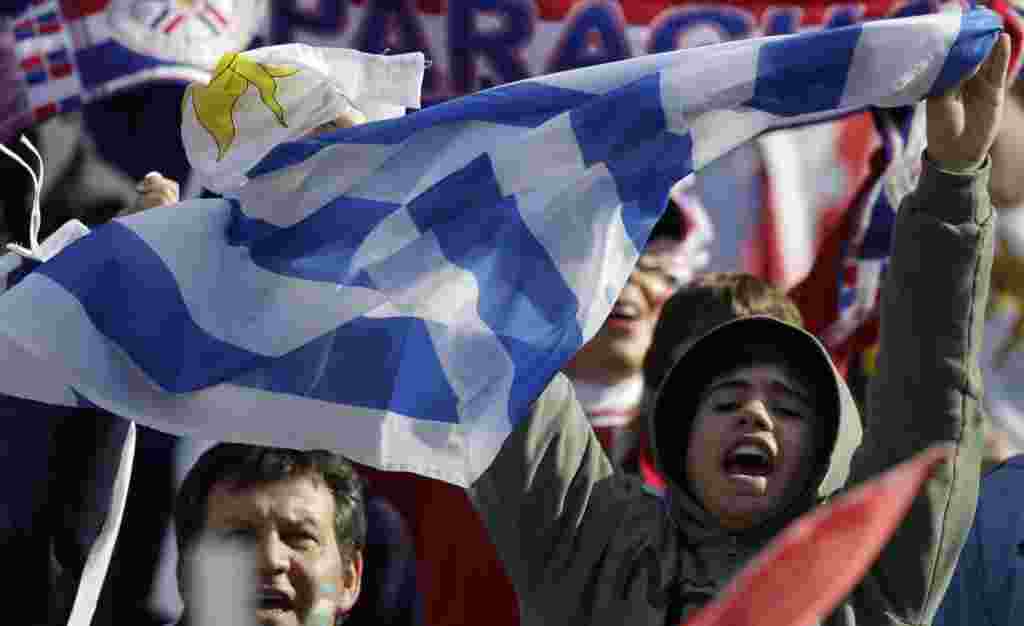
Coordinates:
[162,336]
[988,585]
[389,596]
[12,8]
[822,86]
[974,52]
[96,67]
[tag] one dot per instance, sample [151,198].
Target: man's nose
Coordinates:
[273,554]
[754,413]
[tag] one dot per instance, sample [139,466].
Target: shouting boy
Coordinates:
[754,427]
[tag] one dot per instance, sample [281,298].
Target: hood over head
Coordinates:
[738,343]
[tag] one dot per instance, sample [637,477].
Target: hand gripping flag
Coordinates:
[56,55]
[401,291]
[818,559]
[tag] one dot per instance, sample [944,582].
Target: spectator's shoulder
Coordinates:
[1001,502]
[1008,470]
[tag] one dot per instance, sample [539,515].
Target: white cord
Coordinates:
[69,232]
[36,216]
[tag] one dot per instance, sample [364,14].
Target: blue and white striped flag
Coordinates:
[401,291]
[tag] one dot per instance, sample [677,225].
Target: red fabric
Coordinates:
[1014,28]
[74,9]
[459,574]
[648,470]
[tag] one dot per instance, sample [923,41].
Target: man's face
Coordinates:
[752,445]
[617,350]
[302,578]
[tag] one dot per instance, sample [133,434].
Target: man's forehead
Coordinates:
[297,499]
[775,376]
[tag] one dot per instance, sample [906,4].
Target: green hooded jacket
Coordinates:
[584,544]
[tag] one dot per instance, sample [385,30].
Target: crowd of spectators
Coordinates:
[333,541]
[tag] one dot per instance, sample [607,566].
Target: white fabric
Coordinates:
[324,83]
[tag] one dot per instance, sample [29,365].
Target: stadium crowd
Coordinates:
[697,422]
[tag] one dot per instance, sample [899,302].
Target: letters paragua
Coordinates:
[476,44]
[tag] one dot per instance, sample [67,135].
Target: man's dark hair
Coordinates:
[246,465]
[710,300]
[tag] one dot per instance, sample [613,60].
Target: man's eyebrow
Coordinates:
[776,385]
[728,383]
[793,391]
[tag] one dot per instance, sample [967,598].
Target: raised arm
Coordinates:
[547,480]
[928,386]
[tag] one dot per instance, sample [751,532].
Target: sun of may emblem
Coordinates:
[214,104]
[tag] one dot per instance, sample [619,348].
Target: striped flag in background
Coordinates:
[401,291]
[71,52]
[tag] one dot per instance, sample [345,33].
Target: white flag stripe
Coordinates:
[550,150]
[716,132]
[592,250]
[872,61]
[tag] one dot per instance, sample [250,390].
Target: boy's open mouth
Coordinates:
[749,457]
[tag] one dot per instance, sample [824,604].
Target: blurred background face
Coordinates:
[617,351]
[301,576]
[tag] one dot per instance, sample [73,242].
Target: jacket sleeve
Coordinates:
[540,488]
[927,389]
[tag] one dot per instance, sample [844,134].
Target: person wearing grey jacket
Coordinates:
[753,427]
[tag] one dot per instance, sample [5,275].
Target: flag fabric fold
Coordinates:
[401,291]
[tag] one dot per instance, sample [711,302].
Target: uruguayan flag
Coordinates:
[401,291]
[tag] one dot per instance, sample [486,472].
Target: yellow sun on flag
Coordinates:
[214,104]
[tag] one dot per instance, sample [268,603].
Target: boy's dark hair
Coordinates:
[247,465]
[710,300]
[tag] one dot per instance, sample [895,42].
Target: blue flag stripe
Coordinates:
[321,246]
[359,353]
[971,48]
[96,69]
[158,331]
[820,82]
